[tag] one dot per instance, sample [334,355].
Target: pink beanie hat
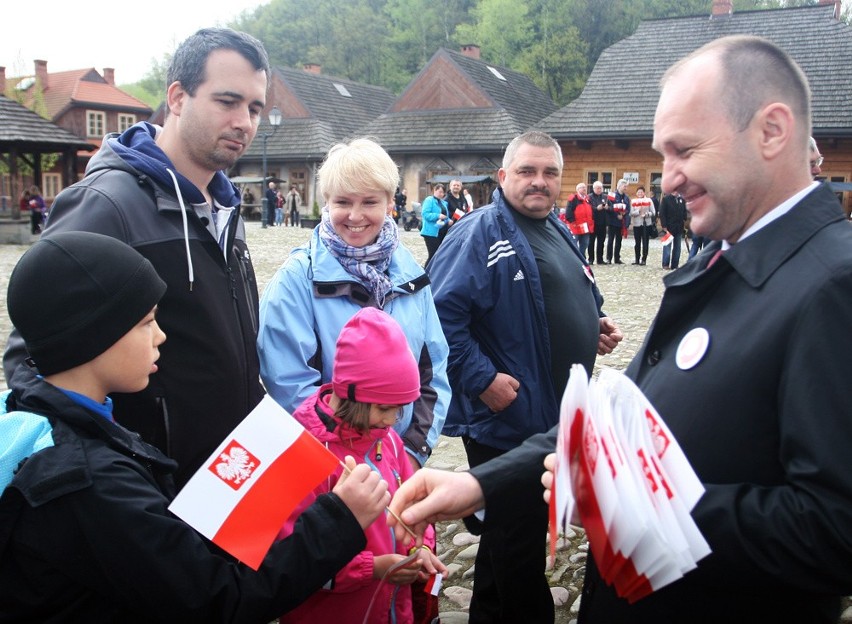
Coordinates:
[373,363]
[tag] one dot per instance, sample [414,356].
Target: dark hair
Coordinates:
[190,58]
[640,188]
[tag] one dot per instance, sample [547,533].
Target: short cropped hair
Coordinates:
[770,74]
[357,167]
[534,138]
[190,59]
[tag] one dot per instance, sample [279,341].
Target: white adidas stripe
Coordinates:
[500,249]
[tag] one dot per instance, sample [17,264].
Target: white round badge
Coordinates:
[692,348]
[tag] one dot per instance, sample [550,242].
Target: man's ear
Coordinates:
[775,126]
[175,97]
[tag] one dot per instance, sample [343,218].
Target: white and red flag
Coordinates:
[243,493]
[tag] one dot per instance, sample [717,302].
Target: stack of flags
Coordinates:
[619,468]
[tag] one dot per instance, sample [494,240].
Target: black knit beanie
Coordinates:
[73,295]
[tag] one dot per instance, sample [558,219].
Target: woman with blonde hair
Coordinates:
[353,260]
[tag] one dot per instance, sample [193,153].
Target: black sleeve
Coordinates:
[14,355]
[511,482]
[569,209]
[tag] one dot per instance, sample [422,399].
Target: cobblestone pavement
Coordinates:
[632,295]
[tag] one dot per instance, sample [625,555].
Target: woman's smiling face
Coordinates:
[358,217]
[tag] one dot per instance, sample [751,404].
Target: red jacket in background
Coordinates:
[578,215]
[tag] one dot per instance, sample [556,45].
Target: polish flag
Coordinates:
[243,493]
[611,196]
[666,239]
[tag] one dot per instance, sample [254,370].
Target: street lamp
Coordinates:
[274,121]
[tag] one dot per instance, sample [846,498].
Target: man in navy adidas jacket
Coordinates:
[518,304]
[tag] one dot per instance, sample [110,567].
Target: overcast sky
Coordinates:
[103,33]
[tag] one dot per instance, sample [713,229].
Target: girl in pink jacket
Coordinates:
[375,375]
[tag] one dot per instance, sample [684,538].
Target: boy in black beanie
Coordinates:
[85,534]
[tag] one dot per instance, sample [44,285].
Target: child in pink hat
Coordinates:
[375,375]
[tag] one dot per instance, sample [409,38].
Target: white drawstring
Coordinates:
[185,228]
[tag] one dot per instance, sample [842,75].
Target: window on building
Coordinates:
[342,90]
[496,73]
[299,178]
[95,122]
[125,121]
[605,178]
[836,178]
[51,184]
[655,184]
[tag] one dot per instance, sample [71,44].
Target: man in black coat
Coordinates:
[673,221]
[767,428]
[597,198]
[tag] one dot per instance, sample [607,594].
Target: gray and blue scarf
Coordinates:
[367,264]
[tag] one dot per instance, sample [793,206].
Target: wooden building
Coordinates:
[606,132]
[455,119]
[83,101]
[318,111]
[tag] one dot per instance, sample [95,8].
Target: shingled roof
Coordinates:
[28,132]
[82,87]
[621,94]
[319,111]
[497,105]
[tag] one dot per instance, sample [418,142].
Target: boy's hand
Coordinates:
[363,491]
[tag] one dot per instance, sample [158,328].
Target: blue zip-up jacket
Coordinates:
[489,298]
[432,209]
[308,302]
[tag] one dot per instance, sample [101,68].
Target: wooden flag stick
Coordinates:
[388,509]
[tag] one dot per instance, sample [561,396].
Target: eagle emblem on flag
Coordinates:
[234,465]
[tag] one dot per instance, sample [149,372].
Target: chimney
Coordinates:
[41,74]
[312,68]
[721,8]
[836,4]
[2,81]
[470,50]
[109,76]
